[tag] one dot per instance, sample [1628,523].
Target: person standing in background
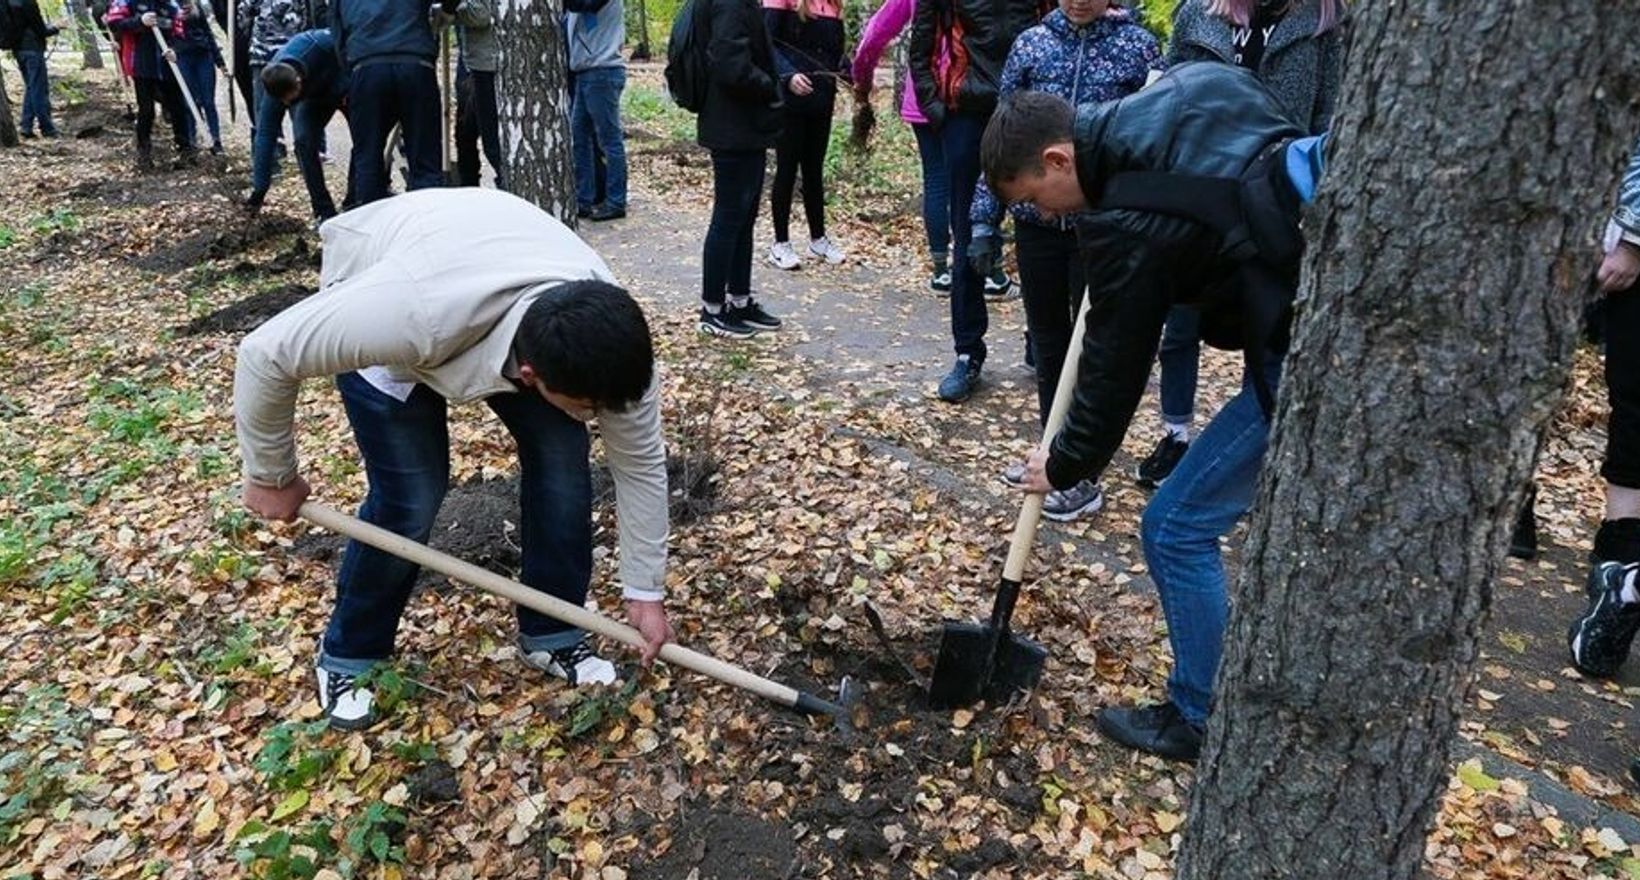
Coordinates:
[199,58]
[596,29]
[31,33]
[477,118]
[808,53]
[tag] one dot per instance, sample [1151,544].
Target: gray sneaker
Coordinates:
[1084,498]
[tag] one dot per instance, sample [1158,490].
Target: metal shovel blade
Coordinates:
[968,671]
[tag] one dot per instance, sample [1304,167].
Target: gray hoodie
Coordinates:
[596,30]
[475,28]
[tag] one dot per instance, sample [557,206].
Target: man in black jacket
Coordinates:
[957,90]
[30,54]
[388,50]
[1192,202]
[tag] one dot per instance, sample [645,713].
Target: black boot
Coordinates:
[1159,730]
[145,159]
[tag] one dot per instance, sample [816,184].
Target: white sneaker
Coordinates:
[825,250]
[781,256]
[576,664]
[348,706]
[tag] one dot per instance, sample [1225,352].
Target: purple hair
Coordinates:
[1240,12]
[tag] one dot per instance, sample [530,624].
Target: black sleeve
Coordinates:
[729,52]
[32,20]
[1136,264]
[925,22]
[592,7]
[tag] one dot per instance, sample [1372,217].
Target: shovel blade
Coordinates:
[964,673]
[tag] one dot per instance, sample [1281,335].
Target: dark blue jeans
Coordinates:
[308,120]
[406,448]
[595,129]
[936,200]
[959,138]
[402,93]
[199,74]
[1201,501]
[1180,359]
[477,123]
[737,188]
[36,92]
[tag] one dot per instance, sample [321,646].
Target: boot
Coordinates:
[145,159]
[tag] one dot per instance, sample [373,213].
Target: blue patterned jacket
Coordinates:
[1106,59]
[1628,200]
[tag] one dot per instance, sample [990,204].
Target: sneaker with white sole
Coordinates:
[753,315]
[940,282]
[1601,638]
[999,286]
[782,256]
[577,664]
[823,248]
[346,705]
[1082,499]
[724,323]
[1014,475]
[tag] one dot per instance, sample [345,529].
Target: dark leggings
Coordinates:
[802,146]
[737,187]
[1622,467]
[165,93]
[1052,279]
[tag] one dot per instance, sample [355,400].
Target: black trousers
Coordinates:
[1622,466]
[388,93]
[726,259]
[1051,278]
[164,93]
[476,123]
[802,147]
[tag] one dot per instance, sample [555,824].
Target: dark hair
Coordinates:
[588,339]
[281,80]
[1023,125]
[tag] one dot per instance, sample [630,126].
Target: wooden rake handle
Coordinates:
[1030,513]
[176,71]
[558,609]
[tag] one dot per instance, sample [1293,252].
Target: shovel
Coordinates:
[989,660]
[575,615]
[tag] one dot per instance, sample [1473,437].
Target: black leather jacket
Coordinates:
[958,48]
[1203,119]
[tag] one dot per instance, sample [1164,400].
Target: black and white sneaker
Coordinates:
[753,315]
[577,664]
[1082,499]
[940,282]
[1161,461]
[1014,475]
[1600,639]
[724,323]
[999,286]
[346,705]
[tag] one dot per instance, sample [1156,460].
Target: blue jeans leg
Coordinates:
[584,146]
[969,320]
[406,449]
[555,504]
[1180,359]
[309,118]
[36,92]
[1200,503]
[936,200]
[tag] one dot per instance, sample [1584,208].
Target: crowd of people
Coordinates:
[1162,186]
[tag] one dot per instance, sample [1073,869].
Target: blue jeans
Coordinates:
[406,449]
[388,93]
[308,120]
[1201,501]
[936,200]
[959,138]
[199,74]
[737,187]
[36,92]
[1180,359]
[595,128]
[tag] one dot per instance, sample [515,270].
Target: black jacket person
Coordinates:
[1187,200]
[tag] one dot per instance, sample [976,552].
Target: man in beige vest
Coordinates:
[456,295]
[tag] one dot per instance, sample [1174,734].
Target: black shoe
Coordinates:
[1524,543]
[1158,730]
[959,384]
[753,315]
[27,134]
[50,133]
[725,324]
[583,211]
[600,213]
[216,148]
[1600,639]
[1161,461]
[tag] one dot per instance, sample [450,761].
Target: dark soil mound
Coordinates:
[215,245]
[247,314]
[713,845]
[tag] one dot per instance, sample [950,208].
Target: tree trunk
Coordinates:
[534,104]
[1477,149]
[86,33]
[8,119]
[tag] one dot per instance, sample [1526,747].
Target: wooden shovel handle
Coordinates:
[1030,513]
[554,607]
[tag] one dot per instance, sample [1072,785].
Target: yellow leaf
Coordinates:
[1167,822]
[1471,774]
[164,762]
[206,822]
[293,802]
[961,718]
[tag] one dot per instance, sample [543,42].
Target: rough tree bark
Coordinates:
[1477,149]
[85,31]
[534,104]
[8,119]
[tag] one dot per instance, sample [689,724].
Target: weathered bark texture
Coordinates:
[85,32]
[8,117]
[1478,146]
[534,104]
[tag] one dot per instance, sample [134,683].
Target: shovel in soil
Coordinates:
[989,660]
[847,691]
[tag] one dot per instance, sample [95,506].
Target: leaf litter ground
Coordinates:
[156,691]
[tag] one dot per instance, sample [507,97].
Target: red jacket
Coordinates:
[139,51]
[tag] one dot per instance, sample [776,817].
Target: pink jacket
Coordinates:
[881,30]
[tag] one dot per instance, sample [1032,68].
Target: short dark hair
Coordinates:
[1023,125]
[588,339]
[282,80]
